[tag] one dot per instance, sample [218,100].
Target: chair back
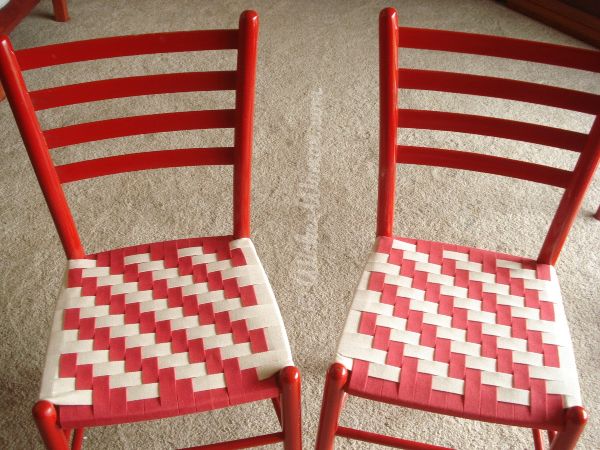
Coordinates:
[39,143]
[392,78]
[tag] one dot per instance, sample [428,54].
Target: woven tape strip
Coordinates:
[156,328]
[460,330]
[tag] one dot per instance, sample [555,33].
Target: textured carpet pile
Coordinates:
[314,195]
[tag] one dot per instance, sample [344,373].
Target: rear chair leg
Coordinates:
[576,418]
[538,442]
[333,397]
[46,420]
[277,406]
[291,408]
[77,439]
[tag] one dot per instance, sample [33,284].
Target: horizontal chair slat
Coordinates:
[389,441]
[254,441]
[523,91]
[131,87]
[501,47]
[144,161]
[492,126]
[112,47]
[455,159]
[130,126]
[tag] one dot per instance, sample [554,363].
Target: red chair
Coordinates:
[168,328]
[12,13]
[456,330]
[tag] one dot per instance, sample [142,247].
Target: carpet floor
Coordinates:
[314,196]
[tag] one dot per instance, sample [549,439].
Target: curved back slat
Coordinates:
[392,78]
[492,126]
[143,161]
[113,47]
[136,125]
[500,47]
[476,162]
[462,83]
[131,87]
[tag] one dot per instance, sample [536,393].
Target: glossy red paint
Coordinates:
[15,11]
[132,86]
[61,11]
[390,441]
[388,127]
[538,440]
[255,441]
[291,415]
[37,148]
[77,441]
[244,112]
[575,182]
[45,418]
[331,408]
[39,142]
[575,420]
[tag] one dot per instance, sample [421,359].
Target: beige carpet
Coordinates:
[314,191]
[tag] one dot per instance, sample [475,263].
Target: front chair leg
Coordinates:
[333,397]
[61,11]
[46,420]
[576,418]
[291,408]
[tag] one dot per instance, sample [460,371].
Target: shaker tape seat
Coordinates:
[163,329]
[460,330]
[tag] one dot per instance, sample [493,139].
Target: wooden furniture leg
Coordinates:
[61,11]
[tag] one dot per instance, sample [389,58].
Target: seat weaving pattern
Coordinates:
[461,331]
[162,329]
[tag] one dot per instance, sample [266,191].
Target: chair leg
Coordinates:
[45,418]
[333,397]
[597,215]
[3,96]
[576,418]
[538,442]
[277,406]
[61,11]
[291,408]
[77,439]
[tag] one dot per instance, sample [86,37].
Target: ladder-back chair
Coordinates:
[451,329]
[167,328]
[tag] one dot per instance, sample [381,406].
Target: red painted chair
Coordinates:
[12,13]
[456,330]
[167,328]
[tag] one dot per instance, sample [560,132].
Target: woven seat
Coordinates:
[460,330]
[162,329]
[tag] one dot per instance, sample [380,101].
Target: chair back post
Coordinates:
[244,111]
[388,98]
[37,148]
[572,198]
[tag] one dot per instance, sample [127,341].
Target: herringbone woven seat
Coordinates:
[460,330]
[161,329]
